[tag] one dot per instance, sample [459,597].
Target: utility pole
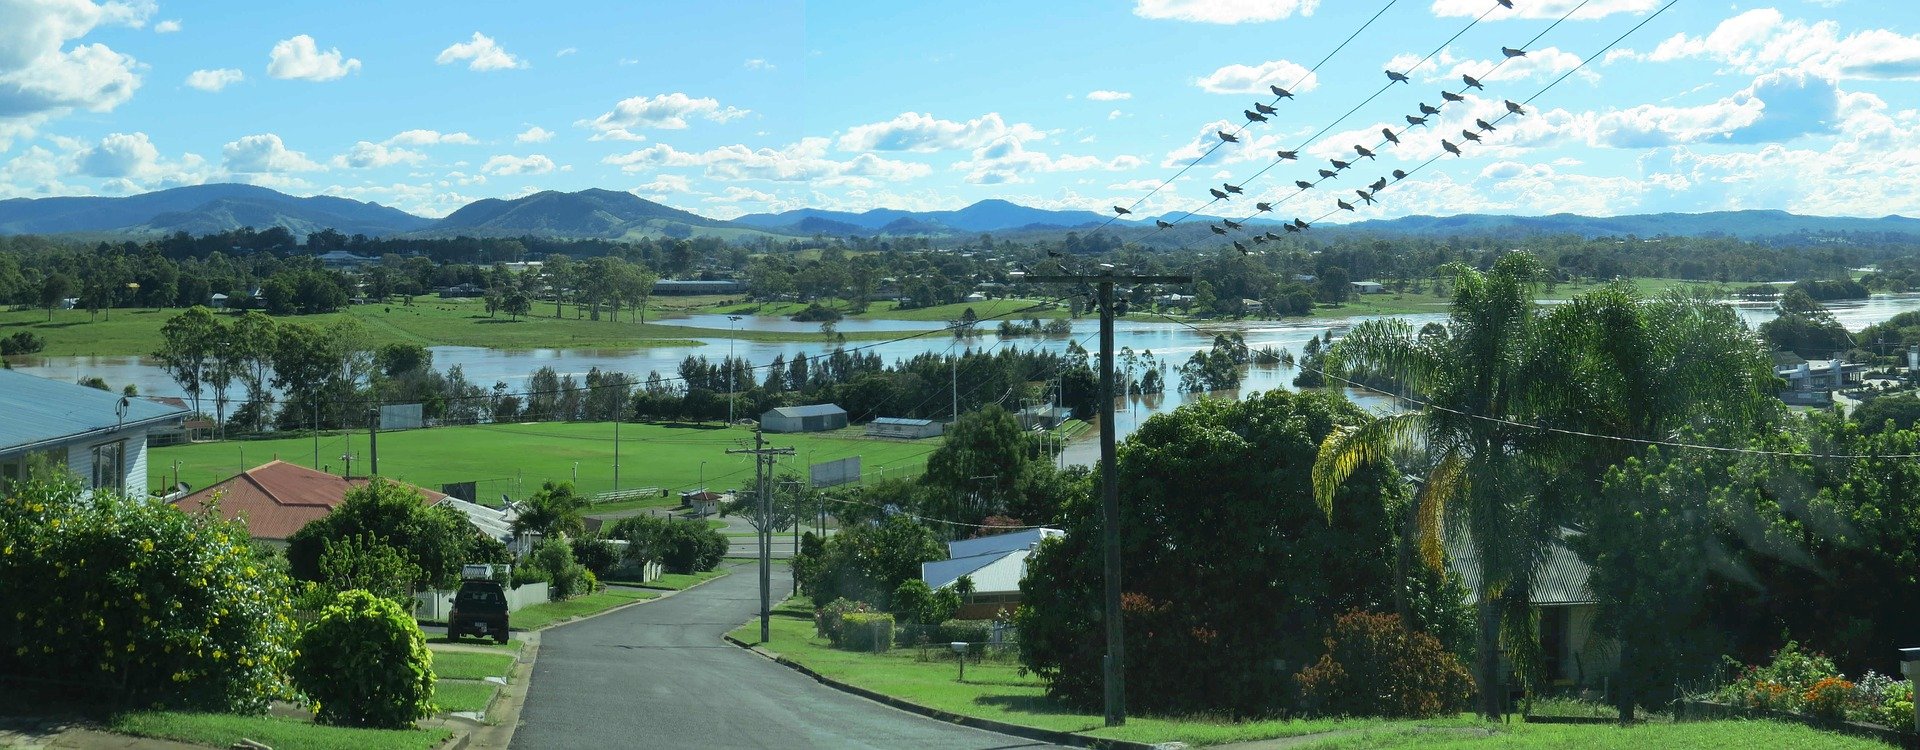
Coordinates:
[616,454]
[956,389]
[316,436]
[373,441]
[1115,662]
[763,458]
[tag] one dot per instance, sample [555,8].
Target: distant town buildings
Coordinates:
[908,429]
[691,287]
[814,418]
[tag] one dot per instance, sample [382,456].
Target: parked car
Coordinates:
[479,610]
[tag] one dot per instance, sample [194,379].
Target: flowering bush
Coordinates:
[1784,683]
[134,601]
[1375,666]
[1829,698]
[365,663]
[826,620]
[1895,707]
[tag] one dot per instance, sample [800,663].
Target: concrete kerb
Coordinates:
[504,713]
[1018,730]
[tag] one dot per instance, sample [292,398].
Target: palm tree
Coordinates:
[1474,376]
[553,509]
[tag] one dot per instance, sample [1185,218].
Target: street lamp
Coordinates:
[703,476]
[731,320]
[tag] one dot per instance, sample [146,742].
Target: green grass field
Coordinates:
[995,689]
[516,458]
[541,615]
[222,730]
[460,695]
[467,665]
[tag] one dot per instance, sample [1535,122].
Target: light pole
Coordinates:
[703,476]
[731,320]
[576,472]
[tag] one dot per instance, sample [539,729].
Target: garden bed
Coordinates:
[1701,710]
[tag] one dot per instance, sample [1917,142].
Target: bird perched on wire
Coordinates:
[1280,92]
[1263,109]
[1470,135]
[1231,188]
[1427,109]
[1253,116]
[1362,150]
[1303,184]
[1393,77]
[1272,236]
[1411,120]
[1365,196]
[1515,108]
[1217,195]
[1231,224]
[1052,253]
[1263,207]
[1512,53]
[1240,247]
[1338,164]
[1121,211]
[1226,136]
[1391,138]
[1328,174]
[1216,229]
[1163,223]
[1452,97]
[1483,125]
[1451,149]
[1287,155]
[1399,175]
[1301,224]
[1259,239]
[1472,82]
[1343,205]
[1378,185]
[1291,229]
[1508,4]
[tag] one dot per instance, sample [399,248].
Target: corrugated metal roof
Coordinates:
[36,411]
[996,573]
[1023,539]
[812,410]
[902,421]
[1561,578]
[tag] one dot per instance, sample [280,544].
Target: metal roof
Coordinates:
[999,543]
[1561,578]
[37,413]
[814,410]
[902,421]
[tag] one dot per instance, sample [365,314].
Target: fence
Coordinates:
[436,604]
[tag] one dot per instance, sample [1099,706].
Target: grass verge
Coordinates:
[461,695]
[1705,735]
[464,665]
[512,646]
[541,615]
[222,730]
[682,581]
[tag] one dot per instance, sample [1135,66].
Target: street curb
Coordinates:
[504,714]
[1017,730]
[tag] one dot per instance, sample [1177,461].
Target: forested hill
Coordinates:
[202,209]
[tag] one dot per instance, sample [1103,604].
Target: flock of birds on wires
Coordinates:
[1365,194]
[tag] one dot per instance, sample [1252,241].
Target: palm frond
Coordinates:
[1444,483]
[1346,449]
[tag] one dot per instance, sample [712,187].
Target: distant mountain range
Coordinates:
[610,214]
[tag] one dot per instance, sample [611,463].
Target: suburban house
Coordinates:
[99,436]
[277,498]
[1572,653]
[1813,383]
[1369,287]
[909,429]
[814,418]
[341,260]
[703,503]
[494,522]
[995,564]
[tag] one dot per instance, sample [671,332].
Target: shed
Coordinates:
[814,418]
[910,429]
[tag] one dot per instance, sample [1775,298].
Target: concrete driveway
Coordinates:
[659,675]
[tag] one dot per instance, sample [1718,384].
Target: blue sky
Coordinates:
[726,108]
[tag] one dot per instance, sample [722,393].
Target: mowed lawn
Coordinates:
[516,458]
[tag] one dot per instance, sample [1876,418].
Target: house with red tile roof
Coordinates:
[277,498]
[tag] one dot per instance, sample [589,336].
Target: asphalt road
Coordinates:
[659,675]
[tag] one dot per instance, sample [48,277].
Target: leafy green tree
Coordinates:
[434,539]
[980,465]
[1216,504]
[365,563]
[1902,411]
[552,510]
[869,562]
[365,663]
[516,305]
[54,290]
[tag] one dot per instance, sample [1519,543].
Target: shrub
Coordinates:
[23,342]
[826,620]
[866,631]
[681,546]
[1783,683]
[135,602]
[1375,666]
[363,562]
[597,554]
[433,538]
[365,663]
[1894,707]
[1829,698]
[568,578]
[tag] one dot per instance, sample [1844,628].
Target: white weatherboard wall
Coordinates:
[80,459]
[436,604]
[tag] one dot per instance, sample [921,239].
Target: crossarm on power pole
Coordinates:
[1114,663]
[763,458]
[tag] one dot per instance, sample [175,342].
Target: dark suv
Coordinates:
[479,609]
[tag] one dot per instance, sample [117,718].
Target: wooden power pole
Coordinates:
[1114,664]
[763,458]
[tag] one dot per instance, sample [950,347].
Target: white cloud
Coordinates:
[216,79]
[480,53]
[1116,114]
[1762,40]
[431,138]
[299,58]
[1590,10]
[263,154]
[567,51]
[1104,95]
[534,134]
[1223,11]
[365,155]
[804,161]
[119,155]
[665,183]
[41,78]
[617,134]
[1255,79]
[168,26]
[924,133]
[36,173]
[665,112]
[758,64]
[505,164]
[1008,161]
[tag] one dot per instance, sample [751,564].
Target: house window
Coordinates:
[110,466]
